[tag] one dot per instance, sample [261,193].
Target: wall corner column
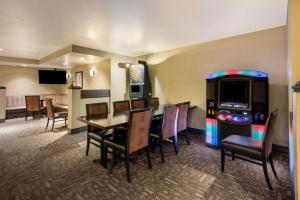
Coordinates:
[2,104]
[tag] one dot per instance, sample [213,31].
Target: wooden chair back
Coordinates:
[138,129]
[32,103]
[121,106]
[96,109]
[169,124]
[137,104]
[269,133]
[154,102]
[183,113]
[50,108]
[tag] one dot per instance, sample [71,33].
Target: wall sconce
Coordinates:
[93,72]
[68,75]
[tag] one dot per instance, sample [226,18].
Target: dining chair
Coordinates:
[182,122]
[54,116]
[137,137]
[137,104]
[33,105]
[121,106]
[168,129]
[154,102]
[96,135]
[252,150]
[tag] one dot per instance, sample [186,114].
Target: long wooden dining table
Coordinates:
[113,121]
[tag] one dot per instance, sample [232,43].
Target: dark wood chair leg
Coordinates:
[52,125]
[152,144]
[148,157]
[103,154]
[175,142]
[222,159]
[47,123]
[187,137]
[272,165]
[266,174]
[104,150]
[87,146]
[161,151]
[26,115]
[65,122]
[127,167]
[233,155]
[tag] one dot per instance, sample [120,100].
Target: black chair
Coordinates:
[96,135]
[168,130]
[136,138]
[252,150]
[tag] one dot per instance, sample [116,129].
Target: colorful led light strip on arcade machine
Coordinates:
[238,72]
[257,131]
[211,132]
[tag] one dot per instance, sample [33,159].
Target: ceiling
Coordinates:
[33,29]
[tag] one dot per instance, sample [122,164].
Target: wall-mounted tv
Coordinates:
[52,77]
[234,90]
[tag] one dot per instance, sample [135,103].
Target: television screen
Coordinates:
[135,88]
[52,77]
[234,90]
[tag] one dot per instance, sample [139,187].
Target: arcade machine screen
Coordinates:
[234,92]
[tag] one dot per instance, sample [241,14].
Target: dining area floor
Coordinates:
[39,164]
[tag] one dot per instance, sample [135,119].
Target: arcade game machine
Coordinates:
[237,103]
[139,81]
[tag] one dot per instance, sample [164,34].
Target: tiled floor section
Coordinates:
[38,164]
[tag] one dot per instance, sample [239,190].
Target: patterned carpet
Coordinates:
[38,164]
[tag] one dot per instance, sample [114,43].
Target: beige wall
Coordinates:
[102,78]
[294,100]
[179,75]
[25,81]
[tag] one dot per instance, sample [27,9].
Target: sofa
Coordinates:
[16,105]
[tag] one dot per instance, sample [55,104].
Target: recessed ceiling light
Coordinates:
[1,49]
[82,58]
[65,63]
[24,65]
[91,57]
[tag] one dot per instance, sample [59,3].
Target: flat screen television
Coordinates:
[135,88]
[234,91]
[52,77]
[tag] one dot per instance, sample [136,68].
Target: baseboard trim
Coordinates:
[196,131]
[280,148]
[2,120]
[77,130]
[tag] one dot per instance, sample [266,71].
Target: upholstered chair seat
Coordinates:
[252,150]
[243,145]
[61,114]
